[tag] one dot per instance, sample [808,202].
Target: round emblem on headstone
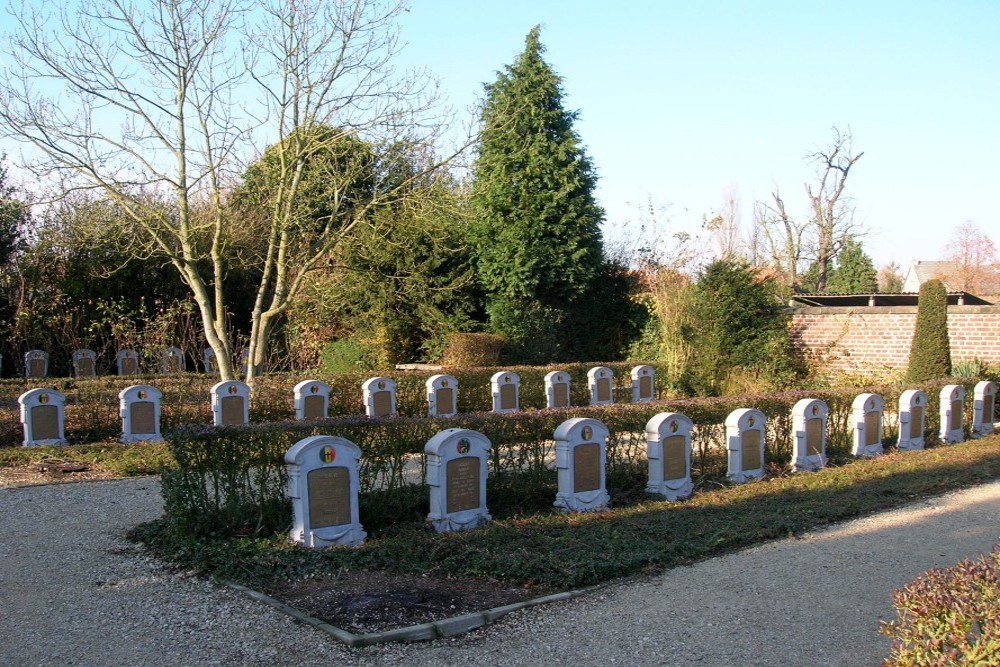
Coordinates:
[381,384]
[750,420]
[673,427]
[314,389]
[506,378]
[559,378]
[141,394]
[587,432]
[232,389]
[44,398]
[815,409]
[602,373]
[464,446]
[444,383]
[645,371]
[916,401]
[871,404]
[327,454]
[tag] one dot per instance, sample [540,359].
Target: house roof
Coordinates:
[934,270]
[901,299]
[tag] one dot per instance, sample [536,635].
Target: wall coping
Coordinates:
[887,310]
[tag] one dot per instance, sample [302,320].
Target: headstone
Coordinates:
[208,360]
[171,360]
[139,407]
[506,387]
[312,400]
[230,403]
[442,396]
[643,386]
[43,417]
[379,396]
[912,416]
[745,442]
[581,453]
[36,364]
[84,363]
[809,435]
[668,449]
[245,361]
[952,413]
[456,475]
[984,401]
[323,485]
[866,414]
[557,389]
[600,380]
[127,362]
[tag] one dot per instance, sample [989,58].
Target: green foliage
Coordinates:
[949,616]
[930,351]
[345,355]
[608,318]
[855,273]
[14,217]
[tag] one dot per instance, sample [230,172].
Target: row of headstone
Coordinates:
[36,362]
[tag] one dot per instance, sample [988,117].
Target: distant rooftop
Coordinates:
[901,299]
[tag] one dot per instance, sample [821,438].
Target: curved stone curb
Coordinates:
[448,627]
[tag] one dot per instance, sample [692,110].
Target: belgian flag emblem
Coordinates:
[327,454]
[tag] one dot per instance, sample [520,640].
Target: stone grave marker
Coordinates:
[139,407]
[230,403]
[312,400]
[668,450]
[379,394]
[208,360]
[506,388]
[171,360]
[43,417]
[127,362]
[581,452]
[912,416]
[323,486]
[601,382]
[557,389]
[643,387]
[984,401]
[745,443]
[442,396]
[866,414]
[84,363]
[952,412]
[36,364]
[456,474]
[809,434]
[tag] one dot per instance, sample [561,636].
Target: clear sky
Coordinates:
[680,100]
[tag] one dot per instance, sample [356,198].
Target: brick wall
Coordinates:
[871,338]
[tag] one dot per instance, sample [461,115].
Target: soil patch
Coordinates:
[50,471]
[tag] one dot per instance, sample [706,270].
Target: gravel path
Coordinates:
[73,592]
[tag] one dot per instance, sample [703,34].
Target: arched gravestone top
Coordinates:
[668,451]
[984,397]
[581,459]
[36,364]
[208,360]
[809,434]
[912,417]
[171,360]
[323,484]
[230,403]
[139,408]
[442,396]
[456,476]
[866,418]
[602,385]
[506,391]
[952,412]
[745,443]
[311,399]
[127,362]
[379,396]
[42,417]
[557,389]
[84,363]
[643,384]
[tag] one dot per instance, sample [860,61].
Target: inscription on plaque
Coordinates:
[674,457]
[37,368]
[956,415]
[232,410]
[445,401]
[508,397]
[916,422]
[329,497]
[130,366]
[871,429]
[463,484]
[750,459]
[645,387]
[814,436]
[586,467]
[44,422]
[142,418]
[560,395]
[383,403]
[604,389]
[86,366]
[312,407]
[988,407]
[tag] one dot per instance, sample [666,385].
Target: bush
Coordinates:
[930,351]
[473,350]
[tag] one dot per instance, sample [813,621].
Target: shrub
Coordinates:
[473,350]
[930,351]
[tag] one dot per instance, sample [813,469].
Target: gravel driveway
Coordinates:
[73,592]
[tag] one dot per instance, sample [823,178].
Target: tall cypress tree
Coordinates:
[930,351]
[536,234]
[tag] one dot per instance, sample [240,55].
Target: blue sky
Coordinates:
[681,100]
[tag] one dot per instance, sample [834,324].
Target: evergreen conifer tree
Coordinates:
[855,272]
[930,352]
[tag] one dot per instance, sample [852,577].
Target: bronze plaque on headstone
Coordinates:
[586,467]
[872,435]
[645,387]
[445,401]
[36,368]
[232,411]
[814,437]
[674,457]
[44,422]
[312,407]
[462,479]
[383,403]
[989,401]
[85,366]
[508,397]
[329,497]
[603,389]
[130,366]
[143,418]
[750,456]
[560,395]
[916,422]
[956,415]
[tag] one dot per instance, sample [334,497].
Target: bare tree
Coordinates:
[975,256]
[783,237]
[725,225]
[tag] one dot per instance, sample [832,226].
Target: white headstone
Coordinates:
[912,417]
[557,389]
[745,442]
[43,417]
[442,396]
[952,411]
[668,449]
[84,363]
[230,403]
[36,364]
[456,474]
[600,380]
[866,415]
[323,485]
[506,388]
[171,360]
[312,400]
[643,384]
[139,407]
[983,408]
[809,434]
[208,360]
[380,397]
[581,459]
[127,362]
